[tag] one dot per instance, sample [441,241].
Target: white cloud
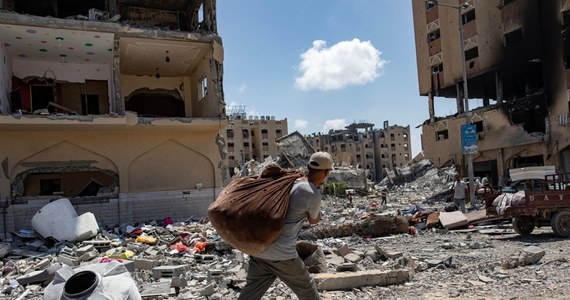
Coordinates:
[333,124]
[242,88]
[343,64]
[301,124]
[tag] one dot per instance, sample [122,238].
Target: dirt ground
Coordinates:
[476,270]
[467,264]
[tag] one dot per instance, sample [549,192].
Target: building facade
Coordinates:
[363,147]
[516,62]
[113,104]
[251,137]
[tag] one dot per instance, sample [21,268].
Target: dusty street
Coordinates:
[470,266]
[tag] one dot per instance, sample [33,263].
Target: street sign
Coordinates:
[469,139]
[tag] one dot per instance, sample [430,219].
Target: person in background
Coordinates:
[281,259]
[384,196]
[486,183]
[459,191]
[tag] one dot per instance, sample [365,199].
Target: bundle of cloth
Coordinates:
[505,200]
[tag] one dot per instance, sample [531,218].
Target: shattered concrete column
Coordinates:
[499,87]
[431,107]
[373,227]
[459,100]
[117,106]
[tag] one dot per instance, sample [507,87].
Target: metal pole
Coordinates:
[460,9]
[467,112]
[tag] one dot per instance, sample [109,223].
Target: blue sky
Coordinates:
[324,64]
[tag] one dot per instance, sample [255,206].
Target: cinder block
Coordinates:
[353,258]
[68,260]
[145,264]
[343,250]
[168,271]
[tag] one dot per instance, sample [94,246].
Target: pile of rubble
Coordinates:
[357,250]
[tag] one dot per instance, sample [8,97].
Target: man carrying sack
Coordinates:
[280,259]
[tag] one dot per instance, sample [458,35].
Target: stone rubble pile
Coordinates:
[174,259]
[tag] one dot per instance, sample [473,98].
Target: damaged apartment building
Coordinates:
[114,104]
[517,62]
[251,137]
[361,146]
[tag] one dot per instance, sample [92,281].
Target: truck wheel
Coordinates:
[523,226]
[560,223]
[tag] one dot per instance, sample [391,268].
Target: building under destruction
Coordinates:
[516,59]
[251,137]
[361,146]
[114,104]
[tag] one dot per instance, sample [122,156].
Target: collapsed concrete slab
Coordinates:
[350,280]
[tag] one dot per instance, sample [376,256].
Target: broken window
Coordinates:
[513,38]
[246,144]
[42,95]
[434,35]
[231,157]
[472,53]
[203,87]
[66,182]
[90,104]
[230,133]
[245,133]
[468,17]
[441,135]
[430,4]
[155,103]
[58,9]
[50,186]
[437,68]
[479,126]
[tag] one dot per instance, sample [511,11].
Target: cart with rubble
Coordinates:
[544,204]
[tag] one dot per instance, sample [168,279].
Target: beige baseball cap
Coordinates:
[321,161]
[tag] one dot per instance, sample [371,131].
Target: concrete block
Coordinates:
[353,258]
[347,281]
[84,249]
[392,254]
[68,260]
[533,254]
[334,259]
[343,250]
[89,255]
[346,267]
[145,264]
[168,271]
[454,219]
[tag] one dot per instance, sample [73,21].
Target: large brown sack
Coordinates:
[250,212]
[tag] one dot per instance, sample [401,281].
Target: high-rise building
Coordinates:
[516,62]
[113,104]
[251,137]
[361,146]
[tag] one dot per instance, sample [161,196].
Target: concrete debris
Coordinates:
[372,227]
[411,243]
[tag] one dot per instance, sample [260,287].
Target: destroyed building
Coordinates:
[113,104]
[362,146]
[251,137]
[516,61]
